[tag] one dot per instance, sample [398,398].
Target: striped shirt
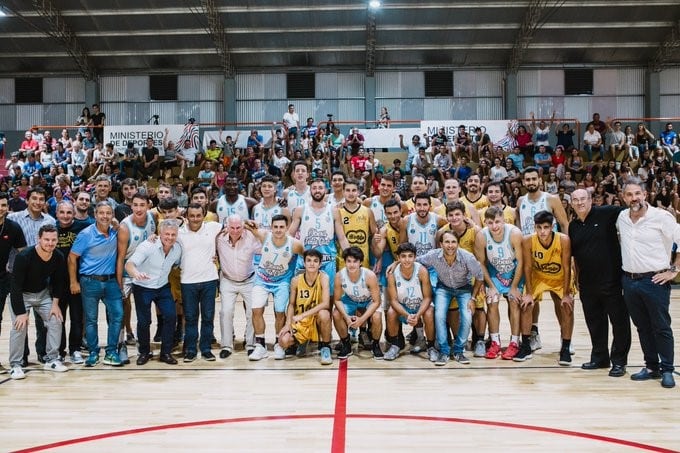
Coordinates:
[458,274]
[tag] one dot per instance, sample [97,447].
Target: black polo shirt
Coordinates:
[595,247]
[11,237]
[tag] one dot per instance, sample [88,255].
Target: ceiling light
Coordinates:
[374,4]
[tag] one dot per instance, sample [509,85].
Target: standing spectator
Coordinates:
[647,235]
[83,120]
[412,150]
[542,132]
[98,120]
[383,119]
[291,121]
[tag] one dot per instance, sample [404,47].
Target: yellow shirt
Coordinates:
[482,202]
[509,214]
[547,273]
[356,226]
[466,241]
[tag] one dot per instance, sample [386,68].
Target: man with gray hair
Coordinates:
[236,250]
[647,236]
[149,267]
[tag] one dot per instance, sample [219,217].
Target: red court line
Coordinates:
[562,432]
[340,416]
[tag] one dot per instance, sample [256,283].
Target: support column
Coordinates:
[229,100]
[369,102]
[653,100]
[510,95]
[92,93]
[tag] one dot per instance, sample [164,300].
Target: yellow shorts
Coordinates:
[305,330]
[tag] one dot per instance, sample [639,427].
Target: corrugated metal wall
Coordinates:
[616,93]
[669,87]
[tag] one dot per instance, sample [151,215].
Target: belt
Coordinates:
[240,281]
[100,278]
[634,276]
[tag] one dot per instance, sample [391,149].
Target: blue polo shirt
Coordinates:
[96,251]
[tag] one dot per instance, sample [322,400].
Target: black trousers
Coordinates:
[602,305]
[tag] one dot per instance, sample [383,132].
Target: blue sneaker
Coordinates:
[92,359]
[112,359]
[301,350]
[326,358]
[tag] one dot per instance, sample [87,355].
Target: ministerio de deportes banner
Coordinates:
[137,134]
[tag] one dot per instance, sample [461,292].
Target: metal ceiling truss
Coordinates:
[62,32]
[219,37]
[666,49]
[370,43]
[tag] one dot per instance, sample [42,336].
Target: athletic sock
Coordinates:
[495,337]
[259,340]
[534,328]
[419,331]
[514,338]
[323,344]
[566,343]
[430,344]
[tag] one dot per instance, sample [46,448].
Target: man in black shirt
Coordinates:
[38,280]
[98,119]
[597,255]
[150,158]
[11,238]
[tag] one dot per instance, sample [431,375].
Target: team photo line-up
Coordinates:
[333,259]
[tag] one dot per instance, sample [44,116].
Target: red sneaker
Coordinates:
[511,351]
[493,351]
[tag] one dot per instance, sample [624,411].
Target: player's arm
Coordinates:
[372,225]
[559,212]
[517,213]
[568,298]
[527,298]
[392,296]
[290,311]
[516,242]
[441,221]
[379,242]
[251,226]
[474,216]
[374,289]
[339,231]
[123,237]
[480,254]
[403,234]
[295,221]
[426,288]
[298,247]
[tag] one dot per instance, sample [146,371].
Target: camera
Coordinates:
[191,120]
[329,115]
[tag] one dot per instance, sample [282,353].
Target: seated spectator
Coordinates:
[559,161]
[669,140]
[565,137]
[29,144]
[592,141]
[543,160]
[31,167]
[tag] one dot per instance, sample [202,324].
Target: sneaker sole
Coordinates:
[439,363]
[342,357]
[522,359]
[112,364]
[564,363]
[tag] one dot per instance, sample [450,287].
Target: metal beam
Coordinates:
[218,36]
[62,32]
[370,43]
[665,49]
[526,34]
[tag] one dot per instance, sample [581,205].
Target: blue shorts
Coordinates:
[280,292]
[410,311]
[352,306]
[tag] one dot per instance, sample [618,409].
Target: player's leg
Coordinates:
[392,323]
[260,295]
[514,312]
[494,320]
[228,296]
[565,316]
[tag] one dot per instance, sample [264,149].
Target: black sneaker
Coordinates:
[377,352]
[225,353]
[412,337]
[524,352]
[565,357]
[291,351]
[189,357]
[345,349]
[209,356]
[338,346]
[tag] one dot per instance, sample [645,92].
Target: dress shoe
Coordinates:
[645,374]
[143,359]
[594,365]
[617,371]
[169,359]
[225,353]
[667,381]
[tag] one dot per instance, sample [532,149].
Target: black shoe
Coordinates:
[524,353]
[189,357]
[290,352]
[401,341]
[565,357]
[225,353]
[209,356]
[338,346]
[249,351]
[594,365]
[345,349]
[143,359]
[24,362]
[645,374]
[41,359]
[377,352]
[617,371]
[412,337]
[169,359]
[667,381]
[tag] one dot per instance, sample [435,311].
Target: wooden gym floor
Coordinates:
[355,405]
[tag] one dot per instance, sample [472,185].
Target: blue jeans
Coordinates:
[195,297]
[442,299]
[648,305]
[108,292]
[590,148]
[166,305]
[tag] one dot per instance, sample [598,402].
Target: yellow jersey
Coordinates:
[356,226]
[509,214]
[441,210]
[480,203]
[392,238]
[307,297]
[466,241]
[547,273]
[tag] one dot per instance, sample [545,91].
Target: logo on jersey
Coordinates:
[356,236]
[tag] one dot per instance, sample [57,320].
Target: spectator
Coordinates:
[542,132]
[291,121]
[592,141]
[84,120]
[565,137]
[669,140]
[383,119]
[355,141]
[98,120]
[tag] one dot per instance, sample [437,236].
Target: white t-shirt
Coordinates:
[291,119]
[198,250]
[591,139]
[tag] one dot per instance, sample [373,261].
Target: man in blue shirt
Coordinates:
[669,140]
[97,247]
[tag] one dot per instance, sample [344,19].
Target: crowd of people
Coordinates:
[339,242]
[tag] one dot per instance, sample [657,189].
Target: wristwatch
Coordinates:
[674,268]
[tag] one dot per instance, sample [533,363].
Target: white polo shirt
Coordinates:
[198,251]
[646,245]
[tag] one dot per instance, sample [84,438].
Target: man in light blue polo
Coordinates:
[97,247]
[149,267]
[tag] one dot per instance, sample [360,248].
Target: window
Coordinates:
[28,90]
[163,87]
[438,83]
[578,81]
[300,85]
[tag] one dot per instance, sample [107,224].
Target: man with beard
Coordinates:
[597,258]
[527,206]
[357,221]
[377,202]
[232,202]
[82,216]
[494,194]
[452,193]
[319,227]
[418,186]
[474,193]
[420,228]
[647,236]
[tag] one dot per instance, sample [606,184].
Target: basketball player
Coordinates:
[337,187]
[269,206]
[418,186]
[232,202]
[474,194]
[377,202]
[494,194]
[358,222]
[308,317]
[452,193]
[299,193]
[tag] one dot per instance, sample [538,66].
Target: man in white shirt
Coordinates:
[592,140]
[647,236]
[291,121]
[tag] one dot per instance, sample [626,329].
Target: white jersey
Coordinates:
[422,236]
[138,234]
[500,255]
[226,209]
[296,199]
[378,211]
[357,291]
[275,262]
[332,202]
[527,210]
[317,231]
[263,216]
[409,292]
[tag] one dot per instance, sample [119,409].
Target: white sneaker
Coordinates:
[259,353]
[55,365]
[571,349]
[392,353]
[535,341]
[77,358]
[432,354]
[16,373]
[279,352]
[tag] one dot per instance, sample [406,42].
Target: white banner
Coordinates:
[242,137]
[497,129]
[121,135]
